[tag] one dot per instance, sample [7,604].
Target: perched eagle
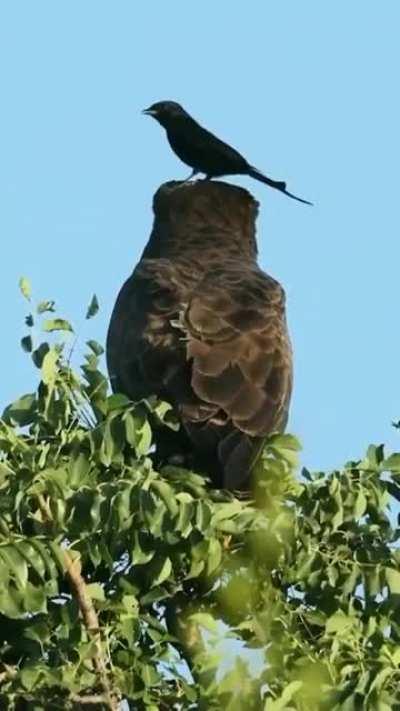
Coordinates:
[200,325]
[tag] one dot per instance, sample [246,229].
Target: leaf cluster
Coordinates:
[123,581]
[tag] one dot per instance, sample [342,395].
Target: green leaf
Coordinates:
[214,555]
[150,677]
[393,580]
[161,409]
[374,457]
[93,307]
[50,366]
[26,344]
[164,573]
[285,441]
[22,411]
[25,288]
[204,619]
[16,564]
[78,470]
[56,324]
[39,354]
[131,605]
[283,701]
[165,414]
[284,446]
[224,511]
[184,523]
[339,623]
[167,494]
[144,439]
[29,676]
[139,555]
[113,441]
[96,592]
[45,306]
[130,428]
[117,401]
[360,505]
[94,346]
[392,463]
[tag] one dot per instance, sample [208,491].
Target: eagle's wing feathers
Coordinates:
[239,348]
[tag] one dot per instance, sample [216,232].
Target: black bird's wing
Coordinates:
[206,153]
[203,151]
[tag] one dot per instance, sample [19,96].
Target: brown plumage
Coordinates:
[200,325]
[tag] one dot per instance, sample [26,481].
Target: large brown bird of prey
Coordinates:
[201,326]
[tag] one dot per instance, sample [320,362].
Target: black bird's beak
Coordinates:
[149,112]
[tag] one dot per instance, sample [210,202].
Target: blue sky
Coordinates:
[307,91]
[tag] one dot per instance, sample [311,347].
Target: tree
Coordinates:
[118,581]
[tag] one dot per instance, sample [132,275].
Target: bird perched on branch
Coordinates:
[204,152]
[201,326]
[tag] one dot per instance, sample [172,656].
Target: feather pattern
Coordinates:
[200,324]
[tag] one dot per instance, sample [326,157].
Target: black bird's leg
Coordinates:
[192,174]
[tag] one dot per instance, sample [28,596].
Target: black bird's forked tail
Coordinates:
[277,184]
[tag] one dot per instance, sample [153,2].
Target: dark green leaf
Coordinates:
[26,343]
[93,307]
[94,346]
[22,411]
[39,354]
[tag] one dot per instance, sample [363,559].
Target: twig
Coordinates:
[87,700]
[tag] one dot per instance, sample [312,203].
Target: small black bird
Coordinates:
[203,151]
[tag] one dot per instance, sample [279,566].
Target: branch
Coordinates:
[89,616]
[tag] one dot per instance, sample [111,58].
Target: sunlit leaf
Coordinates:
[56,324]
[45,306]
[393,580]
[164,573]
[95,591]
[49,366]
[25,288]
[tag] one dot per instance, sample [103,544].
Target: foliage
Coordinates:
[118,581]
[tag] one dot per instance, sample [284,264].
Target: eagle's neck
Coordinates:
[203,220]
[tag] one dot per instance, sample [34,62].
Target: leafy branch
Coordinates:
[123,579]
